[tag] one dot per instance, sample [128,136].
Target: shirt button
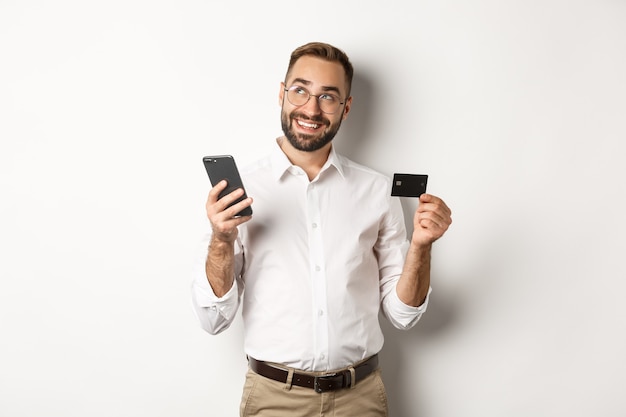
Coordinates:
[320,312]
[314,225]
[322,356]
[317,268]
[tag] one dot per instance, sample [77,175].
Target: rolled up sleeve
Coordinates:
[214,313]
[401,315]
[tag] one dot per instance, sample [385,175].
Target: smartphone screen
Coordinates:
[223,167]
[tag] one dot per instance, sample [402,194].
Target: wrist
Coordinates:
[220,240]
[421,245]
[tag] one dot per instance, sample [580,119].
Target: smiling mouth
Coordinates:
[308,125]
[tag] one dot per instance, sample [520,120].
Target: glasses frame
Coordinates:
[317,96]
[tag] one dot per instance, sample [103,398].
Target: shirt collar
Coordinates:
[281,164]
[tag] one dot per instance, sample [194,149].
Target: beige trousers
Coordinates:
[263,397]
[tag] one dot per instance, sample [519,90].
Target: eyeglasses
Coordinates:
[299,96]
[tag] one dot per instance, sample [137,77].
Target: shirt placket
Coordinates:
[318,277]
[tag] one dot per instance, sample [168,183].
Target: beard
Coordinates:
[304,142]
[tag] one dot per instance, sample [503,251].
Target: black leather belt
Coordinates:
[328,382]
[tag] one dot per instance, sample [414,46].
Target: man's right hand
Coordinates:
[220,260]
[221,216]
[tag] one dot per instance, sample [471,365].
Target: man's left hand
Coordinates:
[432,219]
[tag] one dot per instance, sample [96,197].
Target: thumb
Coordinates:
[426,198]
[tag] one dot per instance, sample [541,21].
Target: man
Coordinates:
[325,249]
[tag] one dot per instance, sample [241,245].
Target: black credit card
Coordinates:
[408,185]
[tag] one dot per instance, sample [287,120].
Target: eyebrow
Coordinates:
[324,88]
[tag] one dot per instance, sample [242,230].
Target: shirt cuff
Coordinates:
[205,297]
[404,314]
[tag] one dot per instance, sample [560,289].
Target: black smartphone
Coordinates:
[223,167]
[408,185]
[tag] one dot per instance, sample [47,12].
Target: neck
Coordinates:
[310,162]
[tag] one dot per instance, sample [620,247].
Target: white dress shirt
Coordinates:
[313,266]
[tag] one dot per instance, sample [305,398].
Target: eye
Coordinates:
[328,97]
[300,91]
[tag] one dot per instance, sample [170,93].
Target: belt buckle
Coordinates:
[329,383]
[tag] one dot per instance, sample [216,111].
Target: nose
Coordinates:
[312,106]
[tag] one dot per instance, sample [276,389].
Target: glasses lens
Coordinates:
[328,103]
[297,95]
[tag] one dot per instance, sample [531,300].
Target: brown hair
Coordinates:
[327,52]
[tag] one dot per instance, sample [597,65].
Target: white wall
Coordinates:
[516,110]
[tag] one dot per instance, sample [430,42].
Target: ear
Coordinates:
[281,94]
[346,108]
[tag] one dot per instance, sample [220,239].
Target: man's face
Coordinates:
[307,127]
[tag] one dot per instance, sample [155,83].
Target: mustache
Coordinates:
[314,119]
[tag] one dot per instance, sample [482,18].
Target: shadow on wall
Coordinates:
[402,347]
[353,137]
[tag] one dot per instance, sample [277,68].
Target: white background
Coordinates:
[516,110]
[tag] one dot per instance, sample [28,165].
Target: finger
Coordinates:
[215,191]
[438,213]
[429,202]
[428,231]
[433,220]
[222,203]
[228,225]
[225,222]
[428,198]
[236,208]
